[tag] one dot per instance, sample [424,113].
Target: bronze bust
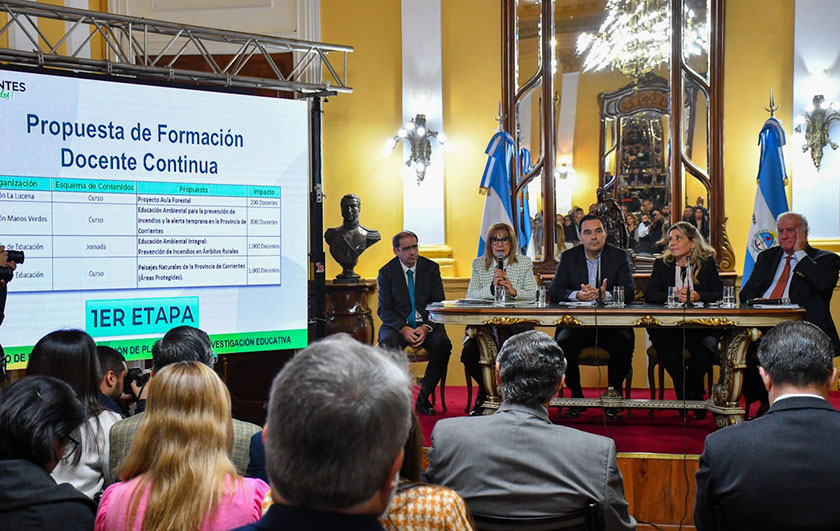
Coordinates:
[610,213]
[349,240]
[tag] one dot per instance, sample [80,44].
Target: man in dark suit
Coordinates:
[797,271]
[406,285]
[589,272]
[778,471]
[516,462]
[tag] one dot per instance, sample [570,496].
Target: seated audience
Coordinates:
[418,505]
[178,473]
[112,371]
[687,251]
[338,416]
[182,343]
[700,219]
[70,355]
[778,472]
[516,278]
[40,419]
[516,462]
[256,454]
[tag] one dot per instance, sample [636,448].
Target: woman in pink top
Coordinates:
[178,473]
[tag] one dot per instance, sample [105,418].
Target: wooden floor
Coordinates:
[660,489]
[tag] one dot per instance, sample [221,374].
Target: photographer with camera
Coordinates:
[8,263]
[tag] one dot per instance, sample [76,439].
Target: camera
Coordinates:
[136,375]
[17,257]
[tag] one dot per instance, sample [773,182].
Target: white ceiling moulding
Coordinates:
[275,18]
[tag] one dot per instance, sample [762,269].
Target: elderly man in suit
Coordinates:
[778,471]
[590,272]
[407,284]
[797,271]
[182,343]
[516,462]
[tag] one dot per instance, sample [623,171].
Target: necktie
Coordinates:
[412,320]
[779,290]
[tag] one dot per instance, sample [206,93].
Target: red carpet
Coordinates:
[665,432]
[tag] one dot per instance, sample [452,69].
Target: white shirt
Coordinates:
[417,317]
[797,395]
[794,259]
[88,476]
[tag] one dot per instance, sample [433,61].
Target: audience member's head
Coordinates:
[796,356]
[112,371]
[338,417]
[530,368]
[69,355]
[39,416]
[183,343]
[182,447]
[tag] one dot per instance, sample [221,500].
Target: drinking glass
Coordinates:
[618,296]
[540,298]
[499,295]
[728,297]
[673,297]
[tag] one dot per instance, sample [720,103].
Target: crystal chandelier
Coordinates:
[635,38]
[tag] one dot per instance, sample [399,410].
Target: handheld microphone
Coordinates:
[500,264]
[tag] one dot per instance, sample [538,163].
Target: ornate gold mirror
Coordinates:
[593,92]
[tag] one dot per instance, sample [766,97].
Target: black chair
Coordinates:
[586,519]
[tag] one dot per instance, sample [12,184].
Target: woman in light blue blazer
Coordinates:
[516,278]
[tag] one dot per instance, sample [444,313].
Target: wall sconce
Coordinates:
[817,119]
[417,135]
[563,171]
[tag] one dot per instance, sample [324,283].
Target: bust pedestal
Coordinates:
[348,311]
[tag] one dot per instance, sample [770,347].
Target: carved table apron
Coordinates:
[740,327]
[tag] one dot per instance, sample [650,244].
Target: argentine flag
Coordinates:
[495,184]
[770,198]
[523,209]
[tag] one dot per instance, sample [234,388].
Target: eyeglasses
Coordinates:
[500,240]
[409,247]
[71,446]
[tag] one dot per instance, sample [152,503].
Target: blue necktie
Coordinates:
[412,321]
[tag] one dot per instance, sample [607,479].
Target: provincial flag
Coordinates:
[770,198]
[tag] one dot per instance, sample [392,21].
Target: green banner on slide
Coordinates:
[141,349]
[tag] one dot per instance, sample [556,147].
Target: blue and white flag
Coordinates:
[495,184]
[770,198]
[523,209]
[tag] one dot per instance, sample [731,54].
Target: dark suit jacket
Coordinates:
[517,463]
[394,303]
[571,272]
[708,283]
[811,286]
[779,471]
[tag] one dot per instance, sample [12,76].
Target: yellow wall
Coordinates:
[357,125]
[759,56]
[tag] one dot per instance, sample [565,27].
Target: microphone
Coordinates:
[598,281]
[500,264]
[687,279]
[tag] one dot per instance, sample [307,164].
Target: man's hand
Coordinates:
[409,334]
[801,240]
[422,331]
[587,293]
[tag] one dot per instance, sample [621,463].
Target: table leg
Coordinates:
[488,349]
[727,391]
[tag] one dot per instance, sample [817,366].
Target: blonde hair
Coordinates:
[181,450]
[489,259]
[702,250]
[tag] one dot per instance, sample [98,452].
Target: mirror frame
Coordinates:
[681,164]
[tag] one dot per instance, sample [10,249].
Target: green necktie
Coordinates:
[412,321]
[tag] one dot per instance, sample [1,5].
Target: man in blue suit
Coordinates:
[407,284]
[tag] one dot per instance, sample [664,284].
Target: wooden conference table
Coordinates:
[739,326]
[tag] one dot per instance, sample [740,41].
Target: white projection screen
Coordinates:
[140,208]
